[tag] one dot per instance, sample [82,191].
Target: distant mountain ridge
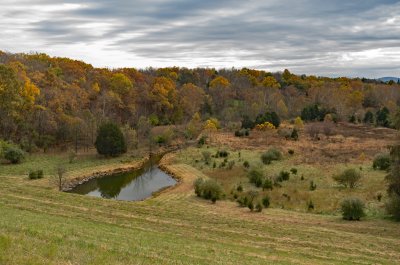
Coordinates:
[388,78]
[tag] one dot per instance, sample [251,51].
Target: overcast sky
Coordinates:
[332,38]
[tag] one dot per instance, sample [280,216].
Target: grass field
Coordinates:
[39,225]
[295,193]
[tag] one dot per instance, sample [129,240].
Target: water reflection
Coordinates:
[132,186]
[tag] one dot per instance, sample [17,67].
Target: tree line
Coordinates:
[46,101]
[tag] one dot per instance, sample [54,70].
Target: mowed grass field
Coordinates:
[39,225]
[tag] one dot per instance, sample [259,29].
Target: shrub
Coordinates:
[267,185]
[393,180]
[247,123]
[214,164]
[246,164]
[381,162]
[270,117]
[393,206]
[231,164]
[291,152]
[259,207]
[266,126]
[350,177]
[14,154]
[294,171]
[271,155]
[379,196]
[32,175]
[243,201]
[382,117]
[352,209]
[238,133]
[208,189]
[159,139]
[256,177]
[250,205]
[202,141]
[206,156]
[110,141]
[198,186]
[310,205]
[369,117]
[242,132]
[222,153]
[294,135]
[283,176]
[266,201]
[239,188]
[285,133]
[313,186]
[35,174]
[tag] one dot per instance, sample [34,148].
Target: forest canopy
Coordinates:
[46,101]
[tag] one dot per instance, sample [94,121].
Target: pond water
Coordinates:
[132,186]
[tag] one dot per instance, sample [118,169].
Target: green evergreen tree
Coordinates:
[110,140]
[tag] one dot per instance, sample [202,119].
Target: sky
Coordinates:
[356,38]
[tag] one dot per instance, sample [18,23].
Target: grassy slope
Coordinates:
[39,225]
[326,197]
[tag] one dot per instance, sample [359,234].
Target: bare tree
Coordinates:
[59,177]
[313,130]
[328,128]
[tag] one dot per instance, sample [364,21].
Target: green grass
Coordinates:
[49,162]
[39,225]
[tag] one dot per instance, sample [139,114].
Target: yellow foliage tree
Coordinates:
[29,93]
[298,123]
[220,82]
[270,82]
[282,109]
[96,87]
[266,126]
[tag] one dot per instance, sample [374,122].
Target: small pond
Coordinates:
[132,186]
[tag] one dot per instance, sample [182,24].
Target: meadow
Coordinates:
[40,225]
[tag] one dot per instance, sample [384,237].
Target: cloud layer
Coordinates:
[333,38]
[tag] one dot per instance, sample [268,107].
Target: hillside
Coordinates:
[387,79]
[40,225]
[43,226]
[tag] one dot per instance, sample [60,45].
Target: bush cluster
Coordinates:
[256,177]
[36,174]
[248,201]
[270,117]
[317,113]
[283,176]
[202,141]
[352,209]
[271,155]
[208,189]
[313,186]
[242,132]
[222,153]
[381,162]
[350,177]
[14,154]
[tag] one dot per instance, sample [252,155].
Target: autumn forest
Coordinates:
[48,102]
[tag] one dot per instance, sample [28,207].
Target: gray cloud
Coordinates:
[354,38]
